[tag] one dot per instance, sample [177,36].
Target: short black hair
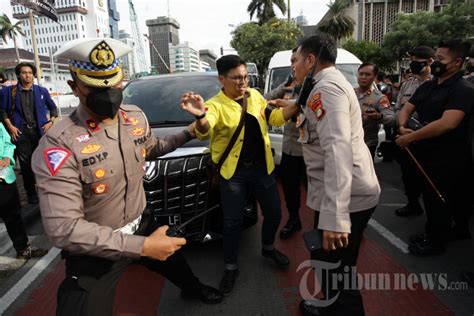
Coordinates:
[381,76]
[457,47]
[422,52]
[25,64]
[294,49]
[374,66]
[228,62]
[322,46]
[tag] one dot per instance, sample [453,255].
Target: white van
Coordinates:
[279,69]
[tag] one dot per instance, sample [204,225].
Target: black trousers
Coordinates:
[372,149]
[349,301]
[412,178]
[10,212]
[293,173]
[25,146]
[452,179]
[89,286]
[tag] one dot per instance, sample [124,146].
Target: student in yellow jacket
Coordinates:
[248,167]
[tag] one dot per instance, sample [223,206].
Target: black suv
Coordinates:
[178,185]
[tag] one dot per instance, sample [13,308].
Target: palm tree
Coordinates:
[264,9]
[336,22]
[9,30]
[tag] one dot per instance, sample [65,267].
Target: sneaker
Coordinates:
[279,258]
[228,281]
[31,252]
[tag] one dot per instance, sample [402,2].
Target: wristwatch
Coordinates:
[198,117]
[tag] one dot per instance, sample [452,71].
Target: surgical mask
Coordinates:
[438,68]
[105,102]
[417,66]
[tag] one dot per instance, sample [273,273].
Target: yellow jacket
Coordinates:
[223,115]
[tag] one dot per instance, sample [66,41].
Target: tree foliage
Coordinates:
[370,52]
[257,43]
[10,30]
[429,28]
[337,23]
[264,9]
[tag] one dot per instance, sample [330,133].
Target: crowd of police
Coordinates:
[88,167]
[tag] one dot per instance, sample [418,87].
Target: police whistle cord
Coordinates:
[178,231]
[425,174]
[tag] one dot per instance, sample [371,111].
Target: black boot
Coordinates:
[228,281]
[293,225]
[279,258]
[204,293]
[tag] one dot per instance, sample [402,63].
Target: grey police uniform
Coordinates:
[342,185]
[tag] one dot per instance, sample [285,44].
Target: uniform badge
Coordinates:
[384,102]
[126,120]
[143,152]
[90,149]
[84,138]
[134,121]
[55,158]
[102,55]
[99,173]
[92,124]
[100,188]
[316,105]
[139,131]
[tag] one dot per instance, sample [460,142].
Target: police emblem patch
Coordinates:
[143,152]
[134,121]
[100,188]
[84,138]
[102,55]
[55,158]
[316,105]
[139,131]
[90,149]
[126,120]
[92,124]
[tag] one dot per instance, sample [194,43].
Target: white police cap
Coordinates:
[95,61]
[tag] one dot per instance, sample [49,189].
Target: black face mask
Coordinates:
[105,102]
[417,66]
[438,68]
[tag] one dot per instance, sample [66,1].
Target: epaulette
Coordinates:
[130,108]
[58,128]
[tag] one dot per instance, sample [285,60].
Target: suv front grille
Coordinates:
[178,189]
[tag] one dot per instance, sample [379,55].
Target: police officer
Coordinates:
[374,105]
[89,170]
[420,59]
[444,104]
[292,167]
[342,186]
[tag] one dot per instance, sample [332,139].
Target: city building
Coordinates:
[114,17]
[77,18]
[184,58]
[209,57]
[54,79]
[204,66]
[163,32]
[129,61]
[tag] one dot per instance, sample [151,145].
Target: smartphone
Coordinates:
[313,239]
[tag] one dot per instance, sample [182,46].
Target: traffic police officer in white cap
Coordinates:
[89,169]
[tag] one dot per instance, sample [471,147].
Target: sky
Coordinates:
[206,24]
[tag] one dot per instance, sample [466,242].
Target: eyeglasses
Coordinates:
[239,79]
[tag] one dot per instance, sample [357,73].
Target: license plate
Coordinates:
[174,220]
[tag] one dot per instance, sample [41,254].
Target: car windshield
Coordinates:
[159,97]
[252,68]
[280,75]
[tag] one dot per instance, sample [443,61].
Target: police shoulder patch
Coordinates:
[55,158]
[316,105]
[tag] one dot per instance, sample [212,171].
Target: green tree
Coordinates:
[336,22]
[429,28]
[10,30]
[257,43]
[369,52]
[264,9]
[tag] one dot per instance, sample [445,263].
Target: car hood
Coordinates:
[193,147]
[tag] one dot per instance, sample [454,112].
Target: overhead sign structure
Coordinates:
[40,7]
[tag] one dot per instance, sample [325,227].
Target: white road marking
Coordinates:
[3,228]
[394,240]
[27,279]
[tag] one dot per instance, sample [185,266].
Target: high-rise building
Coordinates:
[129,61]
[184,58]
[374,18]
[162,31]
[209,57]
[77,19]
[114,17]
